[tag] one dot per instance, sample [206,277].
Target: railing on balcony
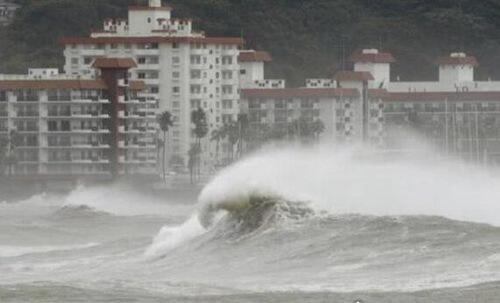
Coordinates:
[27,114]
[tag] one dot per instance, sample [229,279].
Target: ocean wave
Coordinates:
[121,201]
[363,181]
[17,251]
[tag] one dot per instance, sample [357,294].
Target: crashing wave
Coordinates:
[247,214]
[232,219]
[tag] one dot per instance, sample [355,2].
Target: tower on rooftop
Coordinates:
[457,68]
[376,63]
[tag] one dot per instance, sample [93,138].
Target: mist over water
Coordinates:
[282,220]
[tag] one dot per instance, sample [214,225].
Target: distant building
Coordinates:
[7,11]
[77,127]
[456,113]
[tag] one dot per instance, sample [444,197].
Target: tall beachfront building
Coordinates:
[183,69]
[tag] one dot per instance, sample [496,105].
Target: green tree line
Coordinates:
[307,38]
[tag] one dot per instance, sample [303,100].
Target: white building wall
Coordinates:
[254,71]
[456,73]
[380,71]
[144,21]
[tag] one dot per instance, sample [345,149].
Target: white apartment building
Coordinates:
[182,68]
[68,127]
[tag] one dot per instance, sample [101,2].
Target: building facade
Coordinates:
[57,126]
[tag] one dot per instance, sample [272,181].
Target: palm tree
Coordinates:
[192,153]
[243,125]
[4,142]
[199,119]
[318,127]
[13,142]
[165,121]
[217,136]
[232,131]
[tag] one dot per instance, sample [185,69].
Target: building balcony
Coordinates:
[199,51]
[123,83]
[149,66]
[199,81]
[138,160]
[92,52]
[147,51]
[90,130]
[29,147]
[27,115]
[28,130]
[151,81]
[56,115]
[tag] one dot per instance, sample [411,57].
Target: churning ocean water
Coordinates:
[281,226]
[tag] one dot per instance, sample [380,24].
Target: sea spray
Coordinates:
[363,181]
[170,237]
[119,200]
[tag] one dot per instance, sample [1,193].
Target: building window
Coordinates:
[87,60]
[195,103]
[141,60]
[227,104]
[176,89]
[141,75]
[195,74]
[175,45]
[149,20]
[195,89]
[52,125]
[195,59]
[243,72]
[74,61]
[176,60]
[176,75]
[227,89]
[154,90]
[227,60]
[227,75]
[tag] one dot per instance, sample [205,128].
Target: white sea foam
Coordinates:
[171,237]
[16,251]
[363,181]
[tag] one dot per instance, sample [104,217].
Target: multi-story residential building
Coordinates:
[7,11]
[59,125]
[182,68]
[349,106]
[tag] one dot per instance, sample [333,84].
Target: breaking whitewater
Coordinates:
[287,225]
